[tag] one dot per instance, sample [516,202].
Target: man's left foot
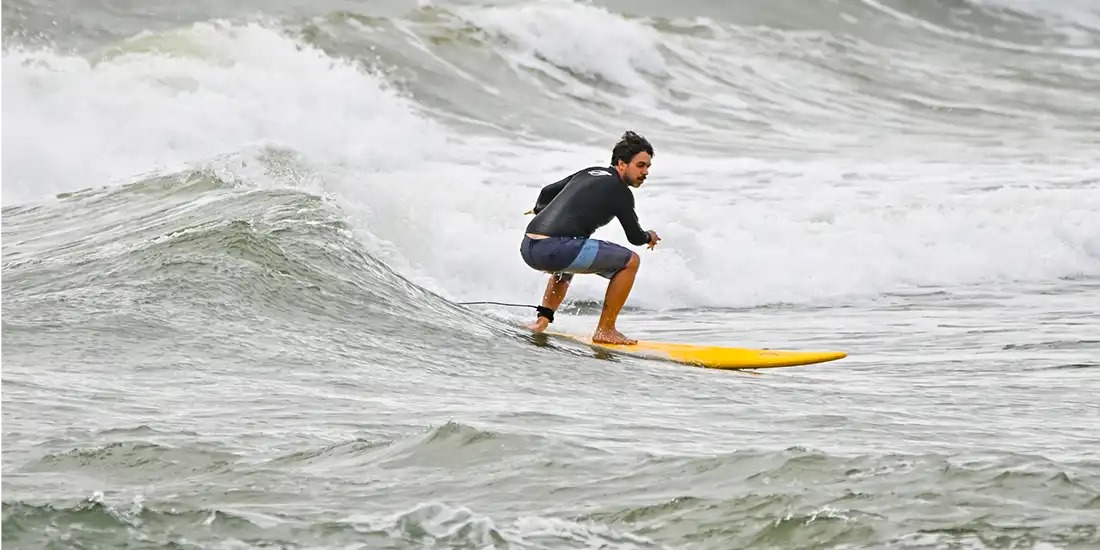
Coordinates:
[539,325]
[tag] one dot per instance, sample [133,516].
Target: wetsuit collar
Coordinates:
[617,175]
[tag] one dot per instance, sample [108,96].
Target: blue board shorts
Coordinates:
[564,256]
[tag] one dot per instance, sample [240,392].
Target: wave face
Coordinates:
[237,237]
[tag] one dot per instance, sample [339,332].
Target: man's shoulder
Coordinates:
[596,171]
[592,174]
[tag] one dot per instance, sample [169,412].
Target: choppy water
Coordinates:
[235,238]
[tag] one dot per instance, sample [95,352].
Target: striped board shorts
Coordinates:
[565,256]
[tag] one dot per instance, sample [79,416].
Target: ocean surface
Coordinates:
[238,237]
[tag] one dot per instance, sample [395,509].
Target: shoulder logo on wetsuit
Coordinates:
[599,173]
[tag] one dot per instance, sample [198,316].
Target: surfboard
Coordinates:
[715,357]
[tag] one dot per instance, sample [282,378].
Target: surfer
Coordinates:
[568,211]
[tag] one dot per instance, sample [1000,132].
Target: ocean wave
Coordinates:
[868,65]
[800,160]
[794,496]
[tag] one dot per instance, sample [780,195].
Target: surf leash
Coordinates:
[543,311]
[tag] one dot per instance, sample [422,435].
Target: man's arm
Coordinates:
[629,220]
[548,193]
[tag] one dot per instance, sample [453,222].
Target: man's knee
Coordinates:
[634,261]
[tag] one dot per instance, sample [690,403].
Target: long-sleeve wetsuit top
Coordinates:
[585,201]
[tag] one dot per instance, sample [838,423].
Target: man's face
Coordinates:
[636,171]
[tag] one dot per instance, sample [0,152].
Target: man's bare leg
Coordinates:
[617,291]
[551,298]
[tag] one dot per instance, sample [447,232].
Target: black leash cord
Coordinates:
[543,311]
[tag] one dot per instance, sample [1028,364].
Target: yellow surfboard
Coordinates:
[715,357]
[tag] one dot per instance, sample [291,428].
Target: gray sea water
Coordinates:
[237,237]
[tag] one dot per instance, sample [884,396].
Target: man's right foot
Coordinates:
[612,336]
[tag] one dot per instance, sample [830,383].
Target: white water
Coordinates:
[210,90]
[588,40]
[446,209]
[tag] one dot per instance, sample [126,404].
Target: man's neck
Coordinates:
[618,173]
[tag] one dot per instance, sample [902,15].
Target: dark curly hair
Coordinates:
[629,145]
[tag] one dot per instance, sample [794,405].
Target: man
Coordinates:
[569,211]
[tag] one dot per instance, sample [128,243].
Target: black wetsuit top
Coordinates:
[585,201]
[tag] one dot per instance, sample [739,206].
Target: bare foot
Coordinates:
[539,325]
[612,336]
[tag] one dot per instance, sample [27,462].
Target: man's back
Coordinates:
[585,201]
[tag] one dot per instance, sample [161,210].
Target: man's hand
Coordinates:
[653,239]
